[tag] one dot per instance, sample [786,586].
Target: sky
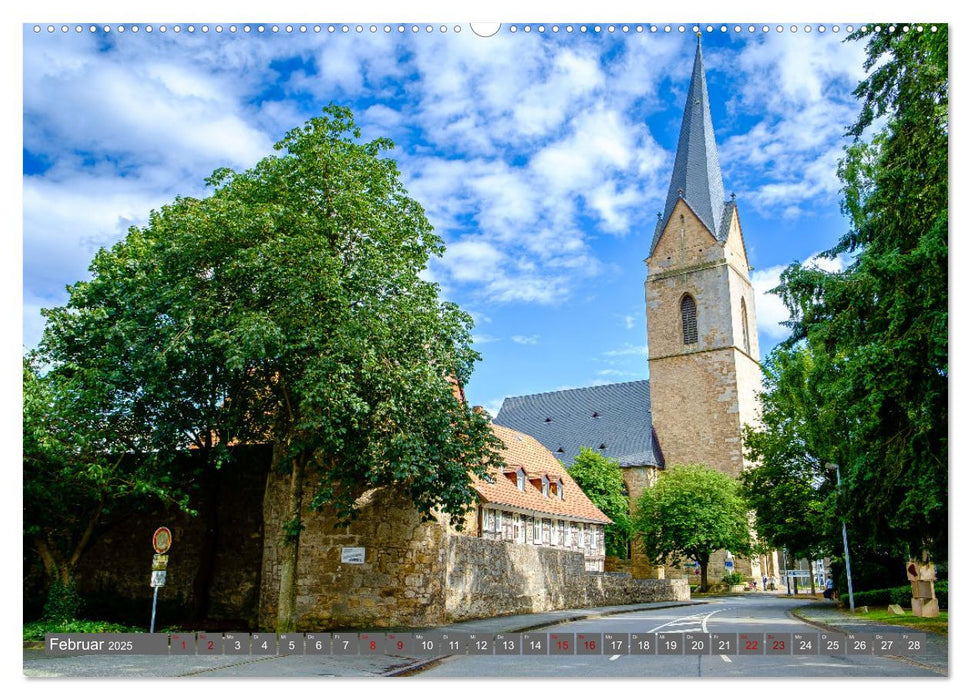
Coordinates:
[540,157]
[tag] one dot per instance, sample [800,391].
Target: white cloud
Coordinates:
[627,349]
[770,312]
[525,339]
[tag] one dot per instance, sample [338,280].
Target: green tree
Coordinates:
[787,489]
[75,474]
[691,512]
[602,482]
[288,307]
[881,323]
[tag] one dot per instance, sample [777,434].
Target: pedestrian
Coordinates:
[765,582]
[828,593]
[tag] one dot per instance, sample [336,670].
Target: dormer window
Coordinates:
[546,486]
[521,480]
[559,489]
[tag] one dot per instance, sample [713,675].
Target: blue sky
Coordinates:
[541,158]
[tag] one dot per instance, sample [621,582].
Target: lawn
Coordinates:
[925,624]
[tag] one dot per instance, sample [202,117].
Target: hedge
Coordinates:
[888,596]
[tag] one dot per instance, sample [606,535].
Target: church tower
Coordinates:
[702,340]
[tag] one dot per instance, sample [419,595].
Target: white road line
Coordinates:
[614,657]
[704,628]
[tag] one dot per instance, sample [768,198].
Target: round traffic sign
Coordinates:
[162,540]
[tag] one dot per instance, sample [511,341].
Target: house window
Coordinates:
[521,480]
[546,487]
[489,521]
[745,343]
[547,527]
[559,489]
[689,320]
[574,536]
[537,531]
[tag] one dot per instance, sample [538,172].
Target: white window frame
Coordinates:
[521,480]
[559,490]
[546,486]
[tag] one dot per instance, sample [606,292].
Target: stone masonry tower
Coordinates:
[702,340]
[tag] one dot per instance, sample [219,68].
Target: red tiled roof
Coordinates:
[524,450]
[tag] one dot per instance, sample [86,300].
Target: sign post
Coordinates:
[161,541]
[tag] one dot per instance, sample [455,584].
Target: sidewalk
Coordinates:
[828,616]
[38,664]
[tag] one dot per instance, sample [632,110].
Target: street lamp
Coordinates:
[846,547]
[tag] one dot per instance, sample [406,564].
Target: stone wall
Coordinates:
[227,532]
[400,583]
[487,578]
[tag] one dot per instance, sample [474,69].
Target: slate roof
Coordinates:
[524,451]
[697,177]
[563,421]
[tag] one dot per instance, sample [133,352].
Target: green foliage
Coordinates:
[732,579]
[287,307]
[63,602]
[899,595]
[788,488]
[602,482]
[691,512]
[34,631]
[75,470]
[880,326]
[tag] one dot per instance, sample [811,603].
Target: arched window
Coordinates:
[689,320]
[745,344]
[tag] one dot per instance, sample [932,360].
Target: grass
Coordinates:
[937,625]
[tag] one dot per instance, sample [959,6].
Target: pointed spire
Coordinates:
[697,177]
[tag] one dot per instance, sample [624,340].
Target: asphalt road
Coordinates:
[744,614]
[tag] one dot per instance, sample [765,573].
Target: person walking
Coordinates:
[765,582]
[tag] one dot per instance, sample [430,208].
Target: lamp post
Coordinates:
[846,547]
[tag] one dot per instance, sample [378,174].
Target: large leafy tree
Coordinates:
[288,307]
[691,512]
[881,324]
[76,471]
[787,489]
[602,482]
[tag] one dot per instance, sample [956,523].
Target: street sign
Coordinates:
[158,579]
[729,564]
[798,573]
[162,540]
[160,562]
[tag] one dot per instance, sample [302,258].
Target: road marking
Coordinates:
[726,659]
[614,657]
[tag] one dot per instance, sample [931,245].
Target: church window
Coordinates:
[745,343]
[689,320]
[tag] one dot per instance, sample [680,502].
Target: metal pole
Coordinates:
[154,599]
[846,546]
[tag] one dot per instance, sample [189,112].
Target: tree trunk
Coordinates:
[703,565]
[287,603]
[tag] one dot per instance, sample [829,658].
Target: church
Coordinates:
[703,367]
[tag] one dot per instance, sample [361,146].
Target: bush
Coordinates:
[37,630]
[63,602]
[899,595]
[732,579]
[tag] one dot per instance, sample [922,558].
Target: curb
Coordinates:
[435,660]
[832,628]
